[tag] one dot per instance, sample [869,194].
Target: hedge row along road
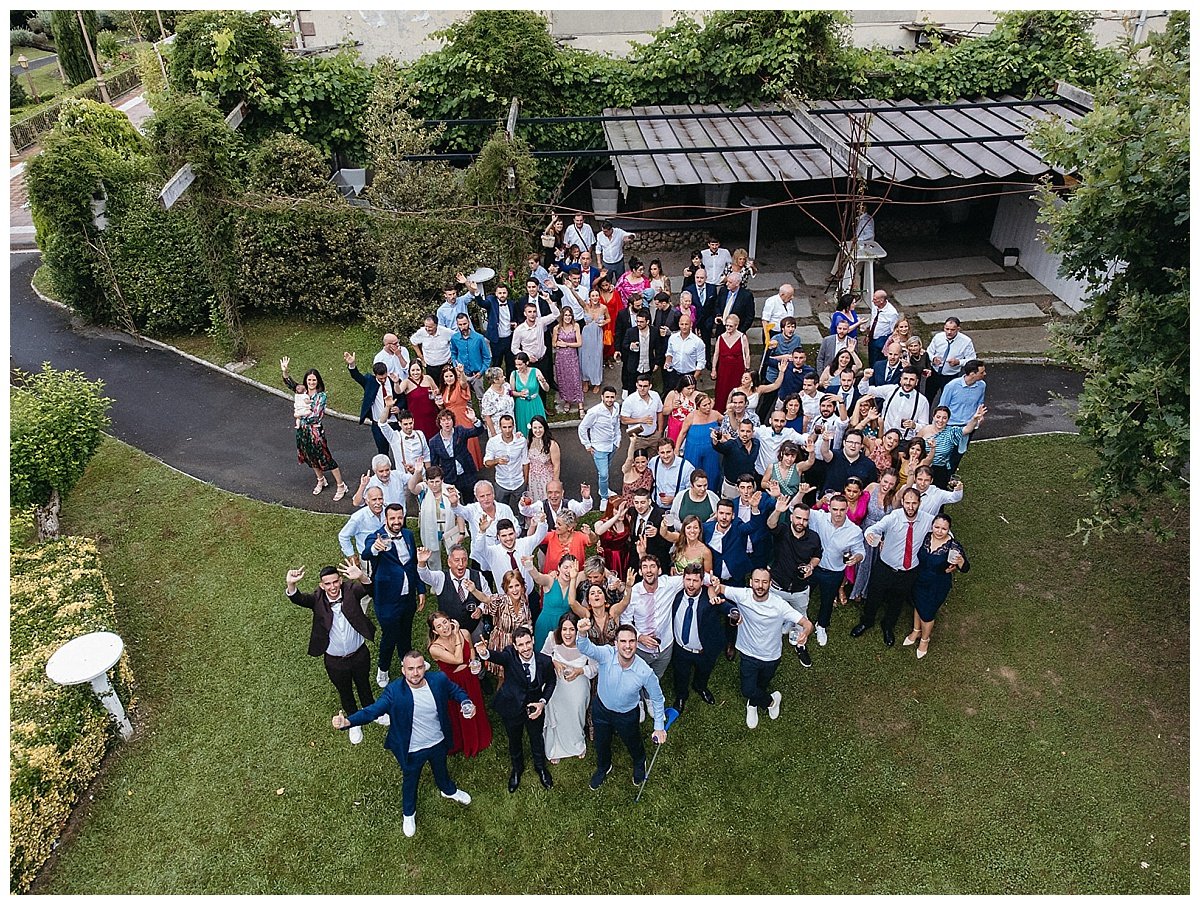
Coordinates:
[239,438]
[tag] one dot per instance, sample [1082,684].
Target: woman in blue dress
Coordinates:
[695,438]
[939,558]
[528,384]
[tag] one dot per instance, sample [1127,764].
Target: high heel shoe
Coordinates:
[922,648]
[911,639]
[341,492]
[321,485]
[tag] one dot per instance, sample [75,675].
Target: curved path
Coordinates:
[239,438]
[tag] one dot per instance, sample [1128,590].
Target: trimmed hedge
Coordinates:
[26,131]
[58,735]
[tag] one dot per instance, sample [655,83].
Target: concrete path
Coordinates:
[213,427]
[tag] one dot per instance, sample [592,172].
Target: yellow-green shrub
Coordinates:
[58,735]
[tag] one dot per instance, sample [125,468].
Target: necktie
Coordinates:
[529,671]
[462,595]
[888,376]
[512,558]
[945,357]
[874,321]
[641,526]
[908,539]
[687,619]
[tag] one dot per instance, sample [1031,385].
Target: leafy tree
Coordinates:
[16,93]
[57,421]
[227,56]
[1025,54]
[110,127]
[68,41]
[322,100]
[1125,230]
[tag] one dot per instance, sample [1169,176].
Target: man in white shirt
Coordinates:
[761,617]
[585,270]
[671,473]
[901,532]
[649,612]
[933,498]
[579,233]
[642,414]
[830,423]
[841,548]
[482,516]
[772,436]
[530,335]
[380,476]
[883,320]
[395,356]
[508,453]
[363,522]
[600,434]
[432,343]
[904,409]
[610,249]
[776,308]
[948,351]
[507,551]
[555,504]
[685,355]
[409,446]
[573,293]
[810,398]
[715,258]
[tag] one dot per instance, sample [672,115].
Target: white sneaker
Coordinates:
[773,707]
[822,636]
[460,796]
[641,712]
[384,720]
[751,716]
[410,825]
[381,678]
[355,734]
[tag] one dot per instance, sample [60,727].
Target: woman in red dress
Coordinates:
[612,302]
[450,647]
[613,531]
[730,361]
[423,399]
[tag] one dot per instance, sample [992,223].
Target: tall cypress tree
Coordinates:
[68,41]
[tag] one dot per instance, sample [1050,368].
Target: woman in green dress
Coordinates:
[528,384]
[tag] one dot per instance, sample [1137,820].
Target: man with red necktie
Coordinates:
[901,532]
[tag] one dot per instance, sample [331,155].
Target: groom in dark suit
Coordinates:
[392,555]
[419,731]
[521,701]
[699,622]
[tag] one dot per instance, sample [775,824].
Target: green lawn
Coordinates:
[45,78]
[1041,747]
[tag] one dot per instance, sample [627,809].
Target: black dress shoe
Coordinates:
[678,705]
[707,696]
[514,780]
[889,638]
[858,629]
[544,776]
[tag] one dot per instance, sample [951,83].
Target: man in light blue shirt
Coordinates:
[470,350]
[452,306]
[600,434]
[619,686]
[366,521]
[963,396]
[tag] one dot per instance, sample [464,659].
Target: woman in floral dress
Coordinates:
[312,449]
[544,457]
[568,340]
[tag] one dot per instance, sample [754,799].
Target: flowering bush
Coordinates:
[58,735]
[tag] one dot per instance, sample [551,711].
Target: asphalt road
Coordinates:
[237,437]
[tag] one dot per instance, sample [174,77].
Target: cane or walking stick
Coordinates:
[671,715]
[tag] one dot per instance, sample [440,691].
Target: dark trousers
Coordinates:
[756,676]
[435,756]
[877,348]
[827,582]
[629,378]
[891,588]
[670,381]
[396,633]
[941,475]
[510,498]
[380,443]
[606,722]
[934,383]
[347,673]
[537,745]
[502,356]
[693,669]
[466,487]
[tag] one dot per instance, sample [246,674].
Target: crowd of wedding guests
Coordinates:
[728,506]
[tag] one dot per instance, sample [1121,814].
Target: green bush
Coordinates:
[108,46]
[22,37]
[58,736]
[16,93]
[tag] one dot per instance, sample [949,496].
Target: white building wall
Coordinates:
[1016,227]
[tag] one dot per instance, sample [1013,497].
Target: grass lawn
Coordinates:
[45,78]
[318,345]
[1041,747]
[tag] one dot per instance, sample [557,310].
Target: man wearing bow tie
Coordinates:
[904,409]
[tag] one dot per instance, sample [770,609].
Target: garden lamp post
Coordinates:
[24,64]
[88,658]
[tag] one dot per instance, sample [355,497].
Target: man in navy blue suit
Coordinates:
[392,555]
[503,314]
[376,388]
[727,537]
[419,732]
[448,450]
[888,369]
[699,622]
